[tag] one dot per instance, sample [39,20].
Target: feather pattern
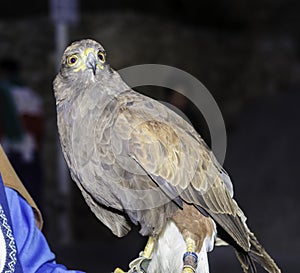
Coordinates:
[168,253]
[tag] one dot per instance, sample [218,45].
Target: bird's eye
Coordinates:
[72,60]
[101,56]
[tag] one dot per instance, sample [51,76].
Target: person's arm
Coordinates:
[34,253]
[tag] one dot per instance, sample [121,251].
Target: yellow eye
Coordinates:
[101,56]
[72,60]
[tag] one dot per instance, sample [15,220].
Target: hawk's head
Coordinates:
[84,70]
[82,65]
[85,58]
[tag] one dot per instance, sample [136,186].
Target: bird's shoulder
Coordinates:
[135,106]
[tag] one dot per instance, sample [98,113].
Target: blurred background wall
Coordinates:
[245,52]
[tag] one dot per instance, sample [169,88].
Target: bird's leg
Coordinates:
[148,248]
[190,258]
[140,264]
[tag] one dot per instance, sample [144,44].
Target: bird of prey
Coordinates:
[137,162]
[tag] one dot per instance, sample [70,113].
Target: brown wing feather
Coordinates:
[168,149]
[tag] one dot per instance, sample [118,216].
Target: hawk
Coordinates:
[137,162]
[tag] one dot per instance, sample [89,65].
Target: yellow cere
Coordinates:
[86,52]
[89,50]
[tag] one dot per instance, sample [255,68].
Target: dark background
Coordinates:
[245,52]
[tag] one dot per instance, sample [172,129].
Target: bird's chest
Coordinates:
[85,129]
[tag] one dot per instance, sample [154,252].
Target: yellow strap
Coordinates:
[11,180]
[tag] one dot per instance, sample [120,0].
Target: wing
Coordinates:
[99,164]
[170,151]
[113,219]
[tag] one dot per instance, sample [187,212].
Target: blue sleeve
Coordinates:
[35,255]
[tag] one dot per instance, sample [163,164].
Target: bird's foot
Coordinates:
[190,262]
[139,265]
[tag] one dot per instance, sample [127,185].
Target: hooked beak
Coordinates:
[91,62]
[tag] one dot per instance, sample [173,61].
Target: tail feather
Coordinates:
[256,254]
[260,256]
[246,262]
